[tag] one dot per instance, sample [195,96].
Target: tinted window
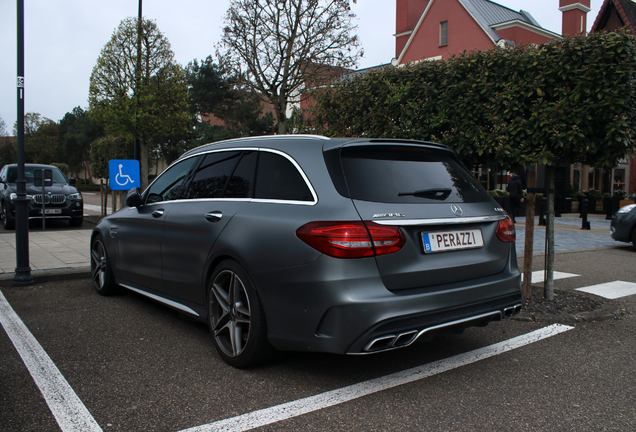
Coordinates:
[402,174]
[29,175]
[277,178]
[168,185]
[241,184]
[213,174]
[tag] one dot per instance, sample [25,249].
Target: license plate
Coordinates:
[52,211]
[442,241]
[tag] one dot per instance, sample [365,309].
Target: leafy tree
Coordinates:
[42,145]
[212,91]
[41,138]
[147,103]
[280,46]
[32,122]
[107,148]
[8,150]
[77,131]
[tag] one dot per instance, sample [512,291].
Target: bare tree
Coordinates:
[3,128]
[280,46]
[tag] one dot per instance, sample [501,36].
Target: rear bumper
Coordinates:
[342,306]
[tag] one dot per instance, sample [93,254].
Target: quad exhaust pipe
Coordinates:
[394,341]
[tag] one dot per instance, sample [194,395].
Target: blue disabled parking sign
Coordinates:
[124,174]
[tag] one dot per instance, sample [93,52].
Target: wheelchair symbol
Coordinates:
[120,175]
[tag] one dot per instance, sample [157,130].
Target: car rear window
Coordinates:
[406,174]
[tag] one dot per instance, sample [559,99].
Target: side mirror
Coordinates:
[133,198]
[72,181]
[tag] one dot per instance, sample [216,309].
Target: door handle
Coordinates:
[214,216]
[157,213]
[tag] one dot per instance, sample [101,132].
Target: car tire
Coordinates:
[7,220]
[633,236]
[236,317]
[76,222]
[101,270]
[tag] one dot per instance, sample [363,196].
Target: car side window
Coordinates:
[212,175]
[241,184]
[168,185]
[278,179]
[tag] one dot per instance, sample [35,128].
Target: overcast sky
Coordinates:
[63,39]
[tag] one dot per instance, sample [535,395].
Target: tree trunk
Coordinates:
[143,165]
[529,241]
[548,287]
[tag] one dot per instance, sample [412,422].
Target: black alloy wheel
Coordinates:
[101,271]
[236,318]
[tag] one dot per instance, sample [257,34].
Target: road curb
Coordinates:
[42,276]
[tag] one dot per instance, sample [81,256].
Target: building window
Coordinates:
[619,179]
[443,33]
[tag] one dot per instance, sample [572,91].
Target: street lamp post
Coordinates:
[22,270]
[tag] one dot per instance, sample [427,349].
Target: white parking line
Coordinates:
[611,290]
[539,276]
[299,407]
[67,408]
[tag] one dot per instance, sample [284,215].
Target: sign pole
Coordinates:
[22,270]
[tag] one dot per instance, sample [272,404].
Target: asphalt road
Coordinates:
[135,365]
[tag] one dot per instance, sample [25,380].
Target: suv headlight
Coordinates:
[75,196]
[14,196]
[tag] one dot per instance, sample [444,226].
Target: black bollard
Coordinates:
[609,210]
[542,203]
[585,225]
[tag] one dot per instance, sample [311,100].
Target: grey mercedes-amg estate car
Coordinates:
[307,243]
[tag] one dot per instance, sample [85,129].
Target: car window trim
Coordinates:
[275,201]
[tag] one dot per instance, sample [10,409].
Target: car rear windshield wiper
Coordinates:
[436,193]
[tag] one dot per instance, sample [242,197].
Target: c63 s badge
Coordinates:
[387,215]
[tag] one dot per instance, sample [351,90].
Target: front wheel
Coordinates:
[101,270]
[236,317]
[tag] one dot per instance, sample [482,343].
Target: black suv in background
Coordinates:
[61,200]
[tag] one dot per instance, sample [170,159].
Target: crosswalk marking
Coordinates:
[538,276]
[611,290]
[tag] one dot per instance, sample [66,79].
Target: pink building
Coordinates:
[435,29]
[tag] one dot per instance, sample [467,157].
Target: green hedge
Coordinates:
[565,101]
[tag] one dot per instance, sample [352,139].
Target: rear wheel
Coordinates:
[236,317]
[7,220]
[101,270]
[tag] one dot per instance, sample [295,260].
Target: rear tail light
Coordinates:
[506,230]
[351,239]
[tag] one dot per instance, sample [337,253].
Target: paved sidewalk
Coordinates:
[568,234]
[48,250]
